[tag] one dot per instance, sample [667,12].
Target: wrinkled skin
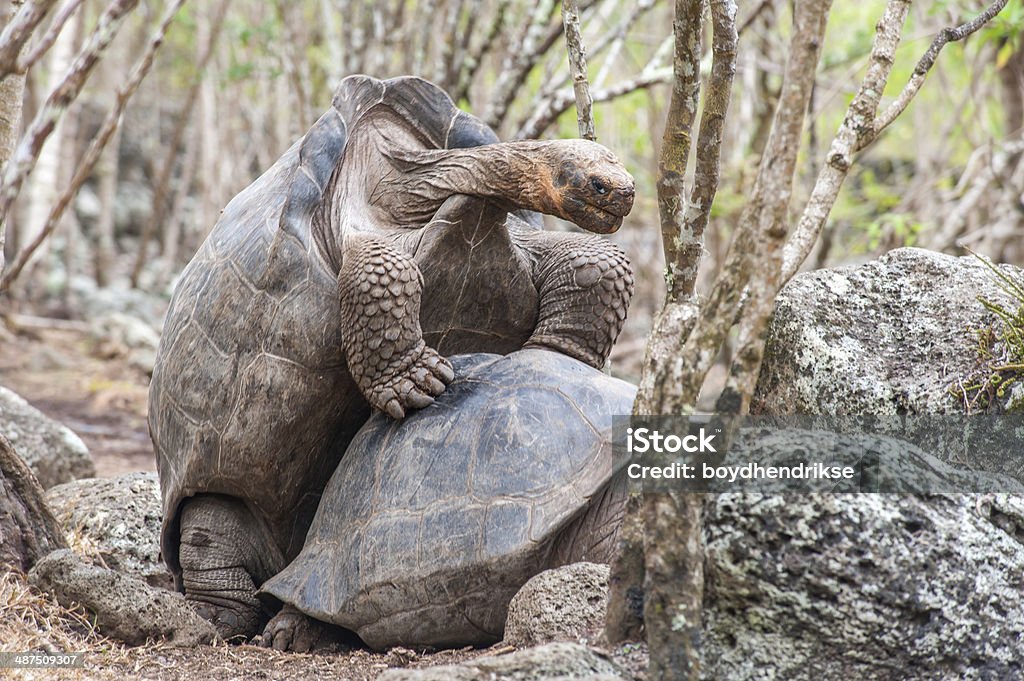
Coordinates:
[337,283]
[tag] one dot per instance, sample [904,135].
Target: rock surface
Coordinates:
[886,337]
[120,335]
[28,531]
[545,663]
[53,452]
[838,587]
[125,607]
[114,522]
[564,604]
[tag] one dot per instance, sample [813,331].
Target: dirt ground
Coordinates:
[104,401]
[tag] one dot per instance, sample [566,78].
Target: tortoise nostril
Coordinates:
[627,192]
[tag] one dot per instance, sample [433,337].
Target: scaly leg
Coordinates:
[380,291]
[585,284]
[224,558]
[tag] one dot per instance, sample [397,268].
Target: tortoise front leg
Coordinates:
[380,291]
[584,284]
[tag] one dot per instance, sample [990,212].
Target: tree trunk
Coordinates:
[12,89]
[625,618]
[28,531]
[45,180]
[107,171]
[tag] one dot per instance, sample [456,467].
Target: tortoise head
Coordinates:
[589,186]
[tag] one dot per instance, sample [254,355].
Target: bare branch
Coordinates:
[425,12]
[752,17]
[27,153]
[761,227]
[474,57]
[548,111]
[12,91]
[857,123]
[924,65]
[862,125]
[164,178]
[522,57]
[445,66]
[111,123]
[616,38]
[763,224]
[46,42]
[678,136]
[578,68]
[18,32]
[709,149]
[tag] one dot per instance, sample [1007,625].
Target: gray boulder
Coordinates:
[865,586]
[53,452]
[563,604]
[114,522]
[886,337]
[124,607]
[545,663]
[839,587]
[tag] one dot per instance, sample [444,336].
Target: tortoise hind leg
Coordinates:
[593,537]
[224,559]
[585,284]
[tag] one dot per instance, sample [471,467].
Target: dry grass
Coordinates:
[31,621]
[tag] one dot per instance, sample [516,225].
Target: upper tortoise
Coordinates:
[396,231]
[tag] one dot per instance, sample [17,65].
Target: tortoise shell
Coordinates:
[429,526]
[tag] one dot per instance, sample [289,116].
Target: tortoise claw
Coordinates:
[443,369]
[394,409]
[425,377]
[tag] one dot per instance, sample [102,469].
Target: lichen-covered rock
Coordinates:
[53,452]
[564,604]
[124,607]
[545,663]
[925,586]
[886,337]
[838,587]
[115,522]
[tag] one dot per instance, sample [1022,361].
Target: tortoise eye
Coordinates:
[598,186]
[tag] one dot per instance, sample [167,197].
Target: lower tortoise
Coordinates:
[430,526]
[396,232]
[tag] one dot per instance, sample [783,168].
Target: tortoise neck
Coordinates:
[511,174]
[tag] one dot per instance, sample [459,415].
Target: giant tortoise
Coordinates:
[429,526]
[397,231]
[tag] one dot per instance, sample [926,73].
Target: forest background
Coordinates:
[238,81]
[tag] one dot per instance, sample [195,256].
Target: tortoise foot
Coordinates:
[235,624]
[292,630]
[417,378]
